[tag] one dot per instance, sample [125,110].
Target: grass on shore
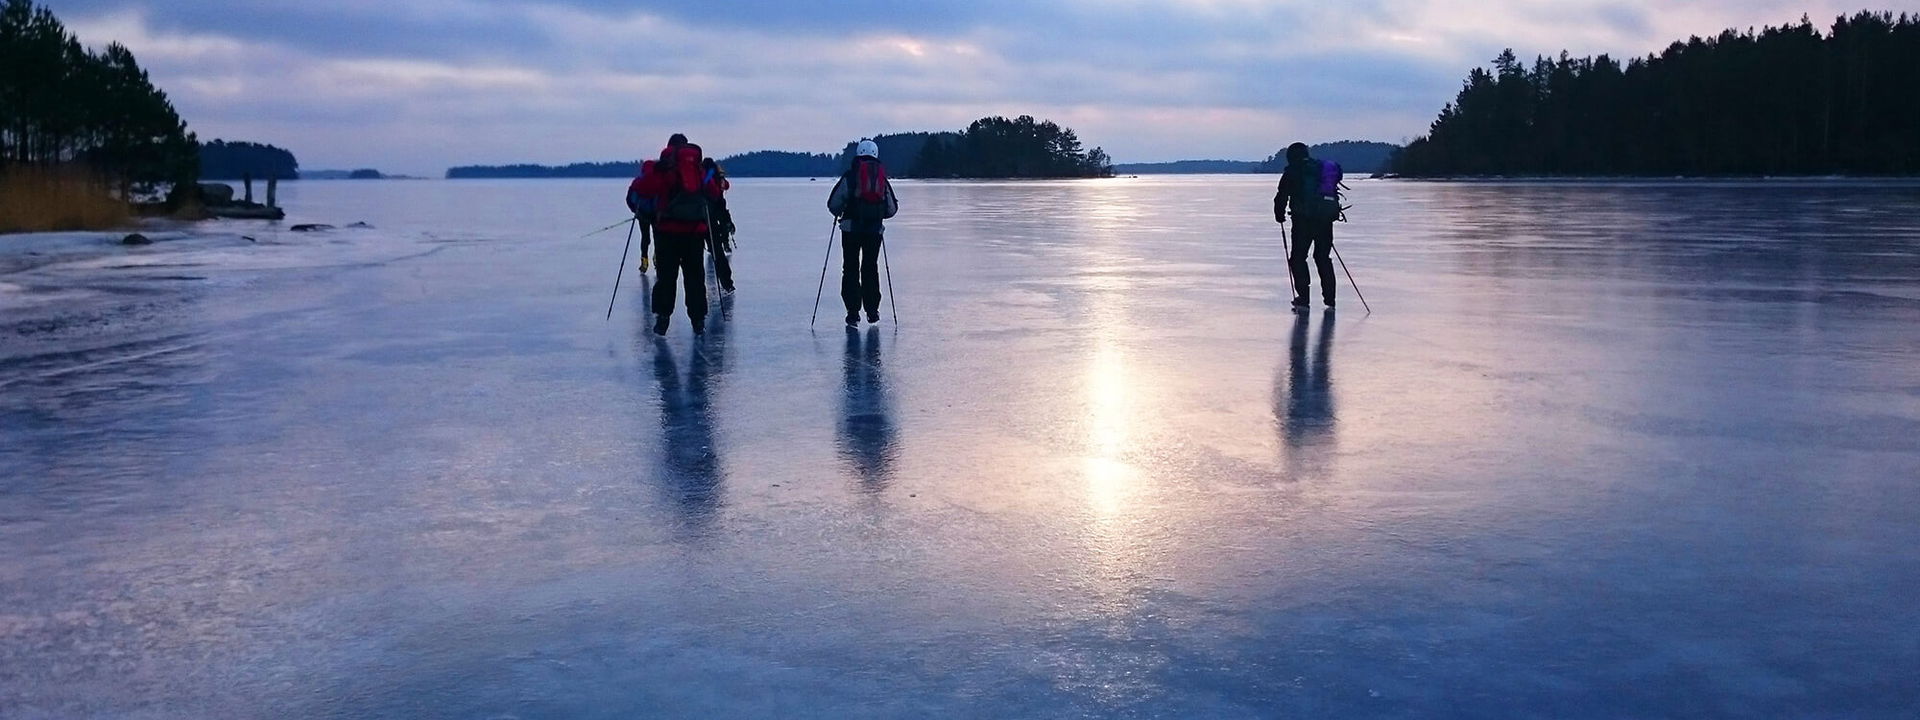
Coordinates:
[53,200]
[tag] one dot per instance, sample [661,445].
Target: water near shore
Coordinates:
[1601,450]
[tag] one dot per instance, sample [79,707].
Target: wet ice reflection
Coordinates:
[1097,470]
[866,433]
[1303,401]
[691,472]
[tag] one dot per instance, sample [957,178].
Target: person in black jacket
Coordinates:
[721,228]
[1313,217]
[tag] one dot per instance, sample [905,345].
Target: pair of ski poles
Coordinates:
[1336,254]
[817,292]
[622,270]
[823,277]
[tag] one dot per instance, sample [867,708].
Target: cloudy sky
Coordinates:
[417,85]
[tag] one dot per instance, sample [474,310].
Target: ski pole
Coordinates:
[622,269]
[1356,286]
[609,227]
[895,304]
[1289,250]
[706,278]
[823,272]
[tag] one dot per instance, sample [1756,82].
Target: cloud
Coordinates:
[418,85]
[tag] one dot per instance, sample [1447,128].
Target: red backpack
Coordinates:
[685,199]
[868,201]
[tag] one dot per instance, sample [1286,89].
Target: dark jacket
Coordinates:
[842,196]
[1300,185]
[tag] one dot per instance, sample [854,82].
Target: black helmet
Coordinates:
[1296,152]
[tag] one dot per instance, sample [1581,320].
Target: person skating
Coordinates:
[683,203]
[862,199]
[1315,208]
[642,205]
[722,226]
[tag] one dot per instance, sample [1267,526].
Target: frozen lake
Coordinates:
[1600,450]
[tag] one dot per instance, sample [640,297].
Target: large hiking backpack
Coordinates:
[686,198]
[642,204]
[1330,177]
[867,190]
[1319,197]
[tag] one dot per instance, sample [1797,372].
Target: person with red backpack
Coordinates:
[862,199]
[642,205]
[1313,188]
[683,198]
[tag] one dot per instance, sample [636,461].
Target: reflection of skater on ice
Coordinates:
[866,432]
[690,472]
[1303,404]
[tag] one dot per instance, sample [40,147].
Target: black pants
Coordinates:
[860,271]
[1317,236]
[646,237]
[722,265]
[680,254]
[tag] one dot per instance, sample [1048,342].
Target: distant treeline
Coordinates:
[1783,101]
[778,163]
[1355,156]
[360,174]
[763,163]
[577,170]
[1189,167]
[899,150]
[66,107]
[996,147]
[222,160]
[1022,147]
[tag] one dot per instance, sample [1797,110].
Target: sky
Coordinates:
[416,86]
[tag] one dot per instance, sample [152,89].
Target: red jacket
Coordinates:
[678,166]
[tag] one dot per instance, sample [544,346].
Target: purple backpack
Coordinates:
[1330,177]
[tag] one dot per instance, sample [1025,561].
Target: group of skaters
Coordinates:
[679,202]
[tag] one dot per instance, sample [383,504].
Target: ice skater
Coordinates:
[720,228]
[683,198]
[1313,188]
[642,204]
[863,200]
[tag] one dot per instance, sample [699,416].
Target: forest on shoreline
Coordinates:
[81,133]
[1784,100]
[991,147]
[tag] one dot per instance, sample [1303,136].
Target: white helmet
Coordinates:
[868,148]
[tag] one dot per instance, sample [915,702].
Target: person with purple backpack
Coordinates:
[1313,188]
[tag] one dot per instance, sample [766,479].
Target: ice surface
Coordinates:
[1601,450]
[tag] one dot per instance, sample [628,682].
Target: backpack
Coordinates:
[1330,177]
[683,203]
[642,204]
[867,190]
[1319,197]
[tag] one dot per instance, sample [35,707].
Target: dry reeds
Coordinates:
[38,199]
